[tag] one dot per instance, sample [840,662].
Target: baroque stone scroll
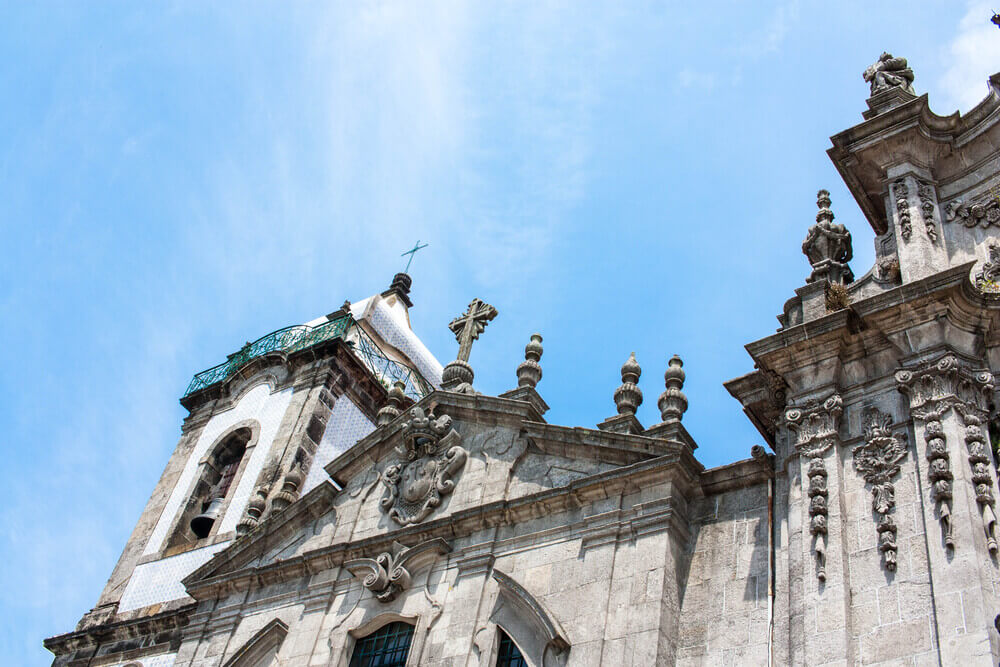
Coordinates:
[815,428]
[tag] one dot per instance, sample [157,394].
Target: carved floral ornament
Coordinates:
[426,462]
[981,211]
[878,459]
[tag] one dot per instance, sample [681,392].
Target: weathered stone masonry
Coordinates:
[369,489]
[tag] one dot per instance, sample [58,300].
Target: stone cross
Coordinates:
[467,327]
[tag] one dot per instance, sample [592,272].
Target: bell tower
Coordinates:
[261,426]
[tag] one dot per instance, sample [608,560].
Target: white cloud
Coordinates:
[974,55]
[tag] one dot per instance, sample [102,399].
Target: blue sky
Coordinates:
[176,180]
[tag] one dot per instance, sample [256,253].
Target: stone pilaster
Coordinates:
[946,396]
[818,587]
[915,218]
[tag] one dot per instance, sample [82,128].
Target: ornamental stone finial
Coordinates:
[394,406]
[457,375]
[628,396]
[887,73]
[529,372]
[828,246]
[255,508]
[289,487]
[673,403]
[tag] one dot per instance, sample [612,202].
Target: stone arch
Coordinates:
[273,373]
[261,650]
[218,475]
[364,622]
[537,634]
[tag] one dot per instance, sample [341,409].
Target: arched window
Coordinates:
[212,488]
[508,655]
[388,646]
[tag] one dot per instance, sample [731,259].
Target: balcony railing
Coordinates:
[296,338]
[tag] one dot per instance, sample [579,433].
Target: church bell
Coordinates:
[201,525]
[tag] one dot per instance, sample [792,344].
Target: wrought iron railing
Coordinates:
[385,369]
[296,338]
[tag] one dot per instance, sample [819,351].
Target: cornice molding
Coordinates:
[212,580]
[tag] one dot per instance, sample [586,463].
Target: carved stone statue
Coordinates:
[828,245]
[888,72]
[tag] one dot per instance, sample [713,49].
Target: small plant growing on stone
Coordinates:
[836,297]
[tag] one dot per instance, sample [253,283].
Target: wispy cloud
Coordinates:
[690,78]
[974,54]
[769,37]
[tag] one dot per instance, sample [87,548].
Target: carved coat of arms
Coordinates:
[429,457]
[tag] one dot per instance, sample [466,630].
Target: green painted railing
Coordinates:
[301,337]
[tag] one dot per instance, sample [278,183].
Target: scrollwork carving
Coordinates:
[428,459]
[391,572]
[878,459]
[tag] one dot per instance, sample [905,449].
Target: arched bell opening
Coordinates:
[213,488]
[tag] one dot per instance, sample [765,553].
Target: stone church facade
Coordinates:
[338,497]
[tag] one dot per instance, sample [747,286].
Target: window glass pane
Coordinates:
[388,646]
[508,655]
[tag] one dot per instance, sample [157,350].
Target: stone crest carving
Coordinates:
[815,428]
[391,572]
[428,459]
[887,73]
[878,459]
[901,193]
[828,245]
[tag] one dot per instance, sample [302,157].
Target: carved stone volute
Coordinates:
[391,572]
[815,425]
